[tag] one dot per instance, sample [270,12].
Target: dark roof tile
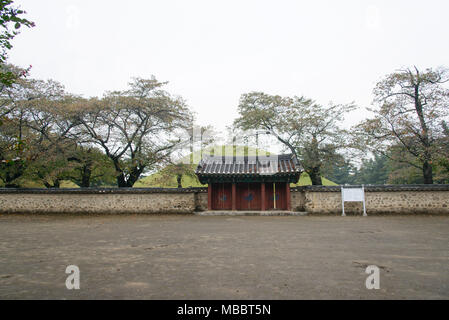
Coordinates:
[249,165]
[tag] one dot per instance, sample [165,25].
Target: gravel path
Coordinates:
[193,257]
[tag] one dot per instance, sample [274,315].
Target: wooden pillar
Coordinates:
[262,191]
[209,196]
[287,194]
[234,196]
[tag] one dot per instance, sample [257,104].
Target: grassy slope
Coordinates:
[304,180]
[153,181]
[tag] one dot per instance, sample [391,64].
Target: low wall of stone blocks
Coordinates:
[388,199]
[385,199]
[102,201]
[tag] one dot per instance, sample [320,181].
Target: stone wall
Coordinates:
[111,200]
[395,199]
[201,200]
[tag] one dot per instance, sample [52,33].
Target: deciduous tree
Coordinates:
[409,106]
[11,20]
[135,128]
[36,130]
[310,131]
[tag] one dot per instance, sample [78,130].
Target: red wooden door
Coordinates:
[221,196]
[248,196]
[279,192]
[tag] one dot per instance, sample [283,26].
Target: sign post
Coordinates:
[352,194]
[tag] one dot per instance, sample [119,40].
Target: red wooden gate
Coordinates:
[277,191]
[248,196]
[221,196]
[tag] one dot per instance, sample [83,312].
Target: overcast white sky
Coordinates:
[213,51]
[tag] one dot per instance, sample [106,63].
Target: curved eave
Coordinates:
[292,177]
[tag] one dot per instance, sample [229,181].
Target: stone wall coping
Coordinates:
[100,190]
[377,188]
[368,188]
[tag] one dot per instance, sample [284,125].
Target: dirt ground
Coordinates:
[193,257]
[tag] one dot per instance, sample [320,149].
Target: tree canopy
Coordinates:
[309,130]
[136,128]
[11,20]
[410,111]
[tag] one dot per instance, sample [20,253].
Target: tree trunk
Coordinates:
[427,173]
[121,181]
[85,176]
[12,173]
[179,180]
[315,176]
[56,183]
[85,170]
[134,175]
[136,171]
[427,167]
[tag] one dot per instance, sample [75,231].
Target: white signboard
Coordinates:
[353,194]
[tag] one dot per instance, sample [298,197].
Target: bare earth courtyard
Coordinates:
[219,257]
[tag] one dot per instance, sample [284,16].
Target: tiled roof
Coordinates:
[285,164]
[377,188]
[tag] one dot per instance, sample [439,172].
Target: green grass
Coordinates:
[304,180]
[156,181]
[153,181]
